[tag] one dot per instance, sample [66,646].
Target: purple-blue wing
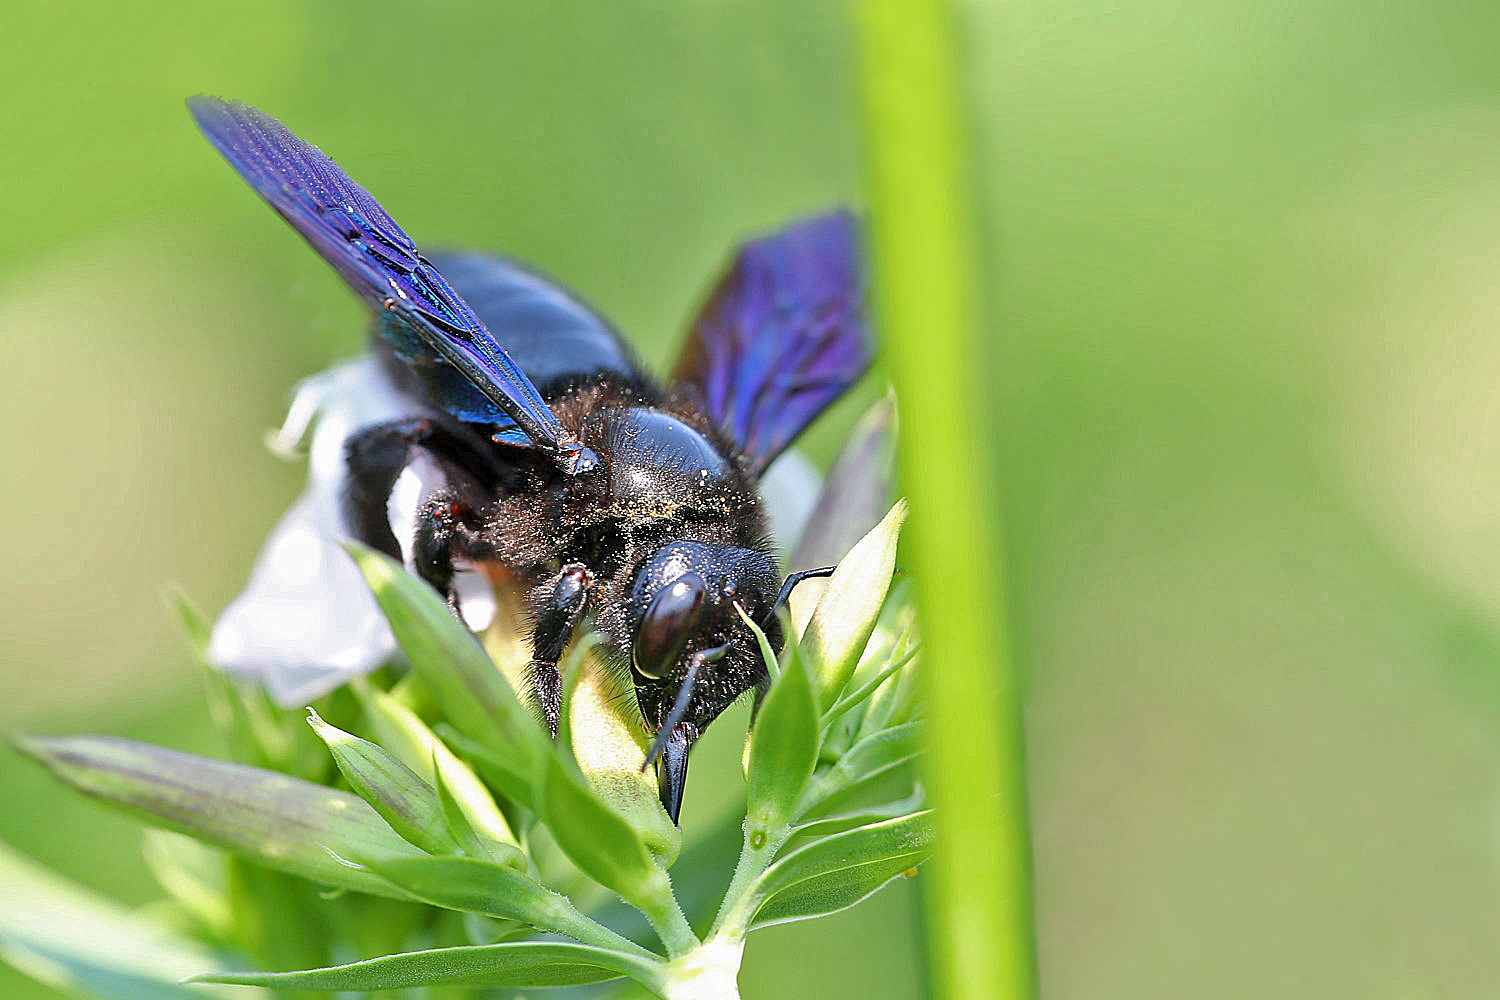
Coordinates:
[349,229]
[783,335]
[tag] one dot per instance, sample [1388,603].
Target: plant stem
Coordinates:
[980,898]
[733,919]
[666,917]
[569,921]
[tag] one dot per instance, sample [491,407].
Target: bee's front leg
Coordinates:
[447,526]
[556,619]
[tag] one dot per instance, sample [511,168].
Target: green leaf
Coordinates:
[607,738]
[274,819]
[571,672]
[517,784]
[824,894]
[463,831]
[474,886]
[870,758]
[767,654]
[846,613]
[82,944]
[518,965]
[400,731]
[902,653]
[892,704]
[598,840]
[826,826]
[455,668]
[783,747]
[469,839]
[880,751]
[403,800]
[907,837]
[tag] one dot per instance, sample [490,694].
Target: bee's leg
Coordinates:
[556,619]
[447,526]
[376,457]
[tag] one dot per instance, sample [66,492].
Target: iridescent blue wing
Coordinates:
[349,229]
[782,335]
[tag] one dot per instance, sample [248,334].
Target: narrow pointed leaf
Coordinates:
[453,665]
[827,826]
[889,783]
[881,750]
[783,747]
[400,731]
[459,827]
[469,840]
[405,801]
[846,613]
[474,886]
[274,819]
[767,654]
[903,838]
[773,671]
[516,965]
[825,894]
[892,703]
[508,775]
[195,628]
[870,758]
[898,657]
[571,671]
[502,893]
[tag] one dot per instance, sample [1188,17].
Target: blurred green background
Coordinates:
[1240,362]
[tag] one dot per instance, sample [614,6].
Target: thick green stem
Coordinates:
[665,915]
[735,913]
[920,206]
[570,922]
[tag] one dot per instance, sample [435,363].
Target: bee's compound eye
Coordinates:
[667,623]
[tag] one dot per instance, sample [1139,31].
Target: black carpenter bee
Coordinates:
[572,475]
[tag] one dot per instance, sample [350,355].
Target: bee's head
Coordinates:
[691,654]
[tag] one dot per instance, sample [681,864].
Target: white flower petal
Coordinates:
[306,621]
[307,399]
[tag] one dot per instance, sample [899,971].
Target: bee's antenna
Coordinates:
[684,695]
[787,585]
